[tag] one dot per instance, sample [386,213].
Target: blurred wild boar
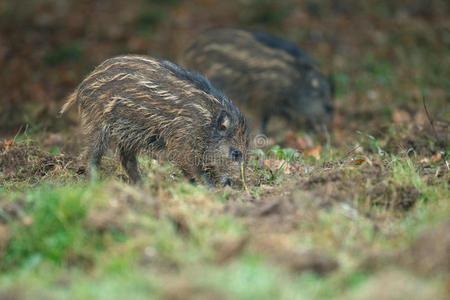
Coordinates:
[264,75]
[145,103]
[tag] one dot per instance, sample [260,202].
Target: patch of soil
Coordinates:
[276,213]
[394,284]
[180,222]
[229,247]
[430,253]
[312,260]
[27,162]
[275,207]
[14,293]
[317,180]
[183,291]
[5,234]
[347,181]
[12,209]
[122,201]
[104,219]
[394,196]
[418,139]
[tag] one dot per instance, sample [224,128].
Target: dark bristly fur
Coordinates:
[264,75]
[144,103]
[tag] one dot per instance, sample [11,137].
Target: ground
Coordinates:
[362,216]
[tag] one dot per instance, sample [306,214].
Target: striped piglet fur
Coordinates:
[145,103]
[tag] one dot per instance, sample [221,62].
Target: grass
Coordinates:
[169,238]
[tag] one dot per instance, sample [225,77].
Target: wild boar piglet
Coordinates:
[265,76]
[144,103]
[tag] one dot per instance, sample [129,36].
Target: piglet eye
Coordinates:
[236,155]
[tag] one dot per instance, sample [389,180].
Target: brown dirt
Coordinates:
[12,209]
[312,260]
[28,162]
[418,137]
[229,247]
[430,253]
[390,195]
[278,211]
[282,208]
[4,238]
[12,294]
[346,180]
[182,290]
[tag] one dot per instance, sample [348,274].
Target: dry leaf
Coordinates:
[268,162]
[273,163]
[423,161]
[299,143]
[359,160]
[315,152]
[295,142]
[9,143]
[436,158]
[400,116]
[286,168]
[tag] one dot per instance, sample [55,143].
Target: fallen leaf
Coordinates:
[273,163]
[294,142]
[423,161]
[314,152]
[286,168]
[268,162]
[400,116]
[359,160]
[436,158]
[420,118]
[290,136]
[299,143]
[9,143]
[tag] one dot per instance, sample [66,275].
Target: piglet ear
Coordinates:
[223,122]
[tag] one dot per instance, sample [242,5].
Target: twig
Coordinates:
[429,118]
[15,137]
[18,132]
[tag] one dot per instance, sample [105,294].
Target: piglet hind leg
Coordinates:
[128,160]
[99,140]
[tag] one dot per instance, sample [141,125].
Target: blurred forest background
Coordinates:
[48,46]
